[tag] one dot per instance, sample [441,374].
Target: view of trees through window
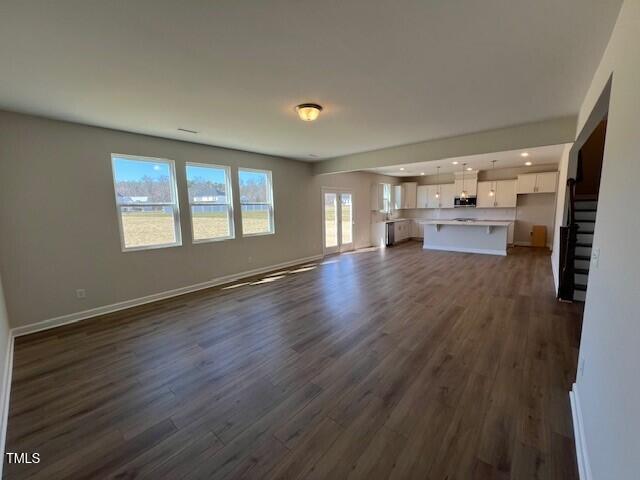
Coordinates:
[146,203]
[255,201]
[210,200]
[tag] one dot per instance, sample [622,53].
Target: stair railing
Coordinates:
[568,239]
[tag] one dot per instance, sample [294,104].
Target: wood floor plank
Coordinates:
[395,363]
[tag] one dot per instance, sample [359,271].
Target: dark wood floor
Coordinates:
[396,363]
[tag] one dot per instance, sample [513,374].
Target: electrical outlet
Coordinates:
[81,293]
[581,369]
[595,257]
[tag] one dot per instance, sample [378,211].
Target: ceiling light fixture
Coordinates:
[402,169]
[454,163]
[308,112]
[524,154]
[469,169]
[528,164]
[438,182]
[421,173]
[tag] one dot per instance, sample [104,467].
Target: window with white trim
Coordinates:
[256,201]
[210,202]
[147,202]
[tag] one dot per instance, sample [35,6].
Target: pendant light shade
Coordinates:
[492,192]
[438,180]
[463,194]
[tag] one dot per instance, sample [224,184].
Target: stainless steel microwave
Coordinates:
[460,202]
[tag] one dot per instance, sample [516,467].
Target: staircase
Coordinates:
[585,217]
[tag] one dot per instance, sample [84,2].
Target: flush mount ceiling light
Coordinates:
[308,112]
[524,154]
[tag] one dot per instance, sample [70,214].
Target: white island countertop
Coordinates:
[479,223]
[463,235]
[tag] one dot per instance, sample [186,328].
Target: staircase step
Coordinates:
[582,257]
[586,232]
[581,271]
[579,220]
[580,286]
[586,209]
[584,244]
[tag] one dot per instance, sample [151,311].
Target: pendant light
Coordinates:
[463,194]
[492,192]
[438,180]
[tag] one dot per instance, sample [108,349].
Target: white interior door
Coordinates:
[337,221]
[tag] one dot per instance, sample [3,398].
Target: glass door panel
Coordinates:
[346,221]
[331,226]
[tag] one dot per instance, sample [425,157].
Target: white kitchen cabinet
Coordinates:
[433,201]
[447,194]
[422,197]
[505,194]
[397,197]
[547,182]
[409,192]
[401,230]
[416,230]
[483,199]
[537,182]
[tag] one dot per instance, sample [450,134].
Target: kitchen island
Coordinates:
[466,235]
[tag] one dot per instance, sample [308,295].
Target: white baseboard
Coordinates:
[584,468]
[468,250]
[5,394]
[94,312]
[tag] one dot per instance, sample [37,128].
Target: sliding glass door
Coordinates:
[337,220]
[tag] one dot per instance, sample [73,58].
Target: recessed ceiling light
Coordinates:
[528,164]
[421,173]
[469,169]
[454,163]
[402,169]
[308,112]
[524,154]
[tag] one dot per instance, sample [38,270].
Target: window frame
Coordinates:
[270,202]
[175,204]
[229,204]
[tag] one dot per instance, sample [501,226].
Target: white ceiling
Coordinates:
[537,156]
[388,72]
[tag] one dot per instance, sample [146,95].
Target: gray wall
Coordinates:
[60,229]
[608,383]
[4,361]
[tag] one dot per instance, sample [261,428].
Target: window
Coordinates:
[146,201]
[210,200]
[386,198]
[256,201]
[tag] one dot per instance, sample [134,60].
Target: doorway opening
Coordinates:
[337,220]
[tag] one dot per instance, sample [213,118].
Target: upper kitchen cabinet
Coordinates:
[409,194]
[504,194]
[447,194]
[422,198]
[398,197]
[546,182]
